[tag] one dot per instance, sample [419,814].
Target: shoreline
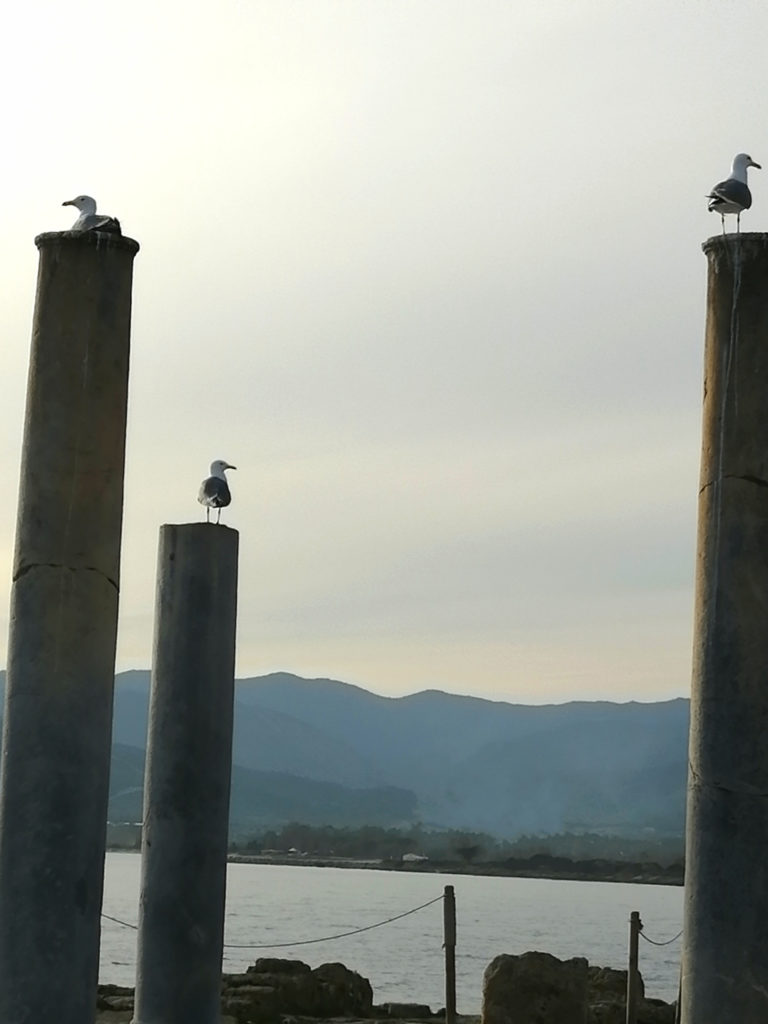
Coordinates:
[574,871]
[556,869]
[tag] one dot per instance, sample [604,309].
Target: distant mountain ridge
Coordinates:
[326,752]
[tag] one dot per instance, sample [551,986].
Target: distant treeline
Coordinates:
[372,842]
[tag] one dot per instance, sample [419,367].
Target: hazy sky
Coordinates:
[429,273]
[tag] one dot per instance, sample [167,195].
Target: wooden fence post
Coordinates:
[449,945]
[633,977]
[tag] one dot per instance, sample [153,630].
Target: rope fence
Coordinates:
[633,972]
[305,942]
[655,942]
[365,928]
[330,938]
[117,920]
[447,898]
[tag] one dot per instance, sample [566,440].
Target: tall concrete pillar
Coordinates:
[61,657]
[186,788]
[725,954]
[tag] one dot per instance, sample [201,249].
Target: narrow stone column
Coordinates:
[725,953]
[186,789]
[61,656]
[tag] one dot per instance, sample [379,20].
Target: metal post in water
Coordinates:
[449,944]
[61,654]
[186,789]
[725,947]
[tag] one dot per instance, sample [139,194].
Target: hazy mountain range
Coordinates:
[325,752]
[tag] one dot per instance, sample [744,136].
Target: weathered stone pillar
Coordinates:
[61,657]
[725,953]
[186,789]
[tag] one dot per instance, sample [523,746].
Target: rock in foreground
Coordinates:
[268,991]
[534,988]
[537,988]
[273,987]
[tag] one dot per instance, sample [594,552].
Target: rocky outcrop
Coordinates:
[403,1011]
[608,1000]
[341,992]
[271,988]
[270,991]
[535,988]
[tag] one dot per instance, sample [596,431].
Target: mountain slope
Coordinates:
[454,761]
[614,766]
[261,799]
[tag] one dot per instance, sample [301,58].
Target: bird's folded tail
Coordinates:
[110,224]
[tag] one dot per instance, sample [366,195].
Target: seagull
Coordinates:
[214,490]
[89,220]
[733,195]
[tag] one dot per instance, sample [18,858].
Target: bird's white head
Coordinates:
[219,466]
[85,204]
[740,164]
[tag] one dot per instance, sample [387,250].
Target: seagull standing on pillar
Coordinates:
[733,195]
[89,220]
[214,490]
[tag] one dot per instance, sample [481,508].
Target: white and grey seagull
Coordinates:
[733,195]
[89,220]
[214,490]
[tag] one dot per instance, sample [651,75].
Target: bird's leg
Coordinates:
[738,223]
[207,514]
[722,221]
[218,516]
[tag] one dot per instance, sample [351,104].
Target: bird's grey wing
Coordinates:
[214,493]
[730,192]
[204,495]
[223,498]
[98,222]
[112,225]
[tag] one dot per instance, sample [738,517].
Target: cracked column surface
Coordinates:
[61,656]
[725,951]
[186,784]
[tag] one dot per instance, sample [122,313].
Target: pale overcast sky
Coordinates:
[429,273]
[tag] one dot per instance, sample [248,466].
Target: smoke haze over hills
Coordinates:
[325,752]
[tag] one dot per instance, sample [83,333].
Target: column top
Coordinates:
[750,243]
[95,239]
[200,526]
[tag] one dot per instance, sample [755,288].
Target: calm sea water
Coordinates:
[404,960]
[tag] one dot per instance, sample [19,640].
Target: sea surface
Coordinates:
[280,907]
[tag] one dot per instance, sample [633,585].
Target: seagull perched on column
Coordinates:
[214,490]
[733,195]
[89,220]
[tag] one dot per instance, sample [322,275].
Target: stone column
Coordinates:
[186,789]
[61,657]
[725,953]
